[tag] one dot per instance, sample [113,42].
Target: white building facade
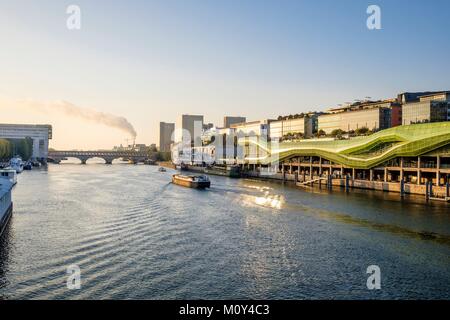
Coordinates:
[40,134]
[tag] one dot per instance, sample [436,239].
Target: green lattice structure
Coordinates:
[364,152]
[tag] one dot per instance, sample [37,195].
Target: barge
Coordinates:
[191,181]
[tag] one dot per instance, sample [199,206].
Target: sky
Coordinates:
[149,61]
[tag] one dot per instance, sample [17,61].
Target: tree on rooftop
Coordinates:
[362,131]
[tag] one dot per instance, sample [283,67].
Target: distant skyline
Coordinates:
[150,61]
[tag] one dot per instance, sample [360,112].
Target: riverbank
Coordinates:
[166,164]
[345,184]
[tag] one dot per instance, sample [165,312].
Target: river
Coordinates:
[134,235]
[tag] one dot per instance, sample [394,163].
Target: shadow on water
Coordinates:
[164,187]
[5,247]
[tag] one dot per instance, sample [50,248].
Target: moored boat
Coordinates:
[5,204]
[162,169]
[191,181]
[8,174]
[16,163]
[27,166]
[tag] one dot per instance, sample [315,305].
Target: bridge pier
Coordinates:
[108,160]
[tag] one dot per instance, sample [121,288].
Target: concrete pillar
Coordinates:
[310,168]
[290,168]
[438,167]
[401,169]
[371,175]
[418,170]
[385,174]
[342,171]
[320,166]
[353,173]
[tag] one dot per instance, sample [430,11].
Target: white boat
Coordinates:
[6,205]
[16,163]
[9,174]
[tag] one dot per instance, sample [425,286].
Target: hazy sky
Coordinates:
[149,61]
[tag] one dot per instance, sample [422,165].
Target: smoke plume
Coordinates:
[91,115]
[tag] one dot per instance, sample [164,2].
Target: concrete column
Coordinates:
[385,174]
[342,171]
[418,170]
[310,168]
[290,168]
[371,175]
[438,167]
[401,169]
[353,174]
[320,166]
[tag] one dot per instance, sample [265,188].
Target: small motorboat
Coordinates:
[162,169]
[191,181]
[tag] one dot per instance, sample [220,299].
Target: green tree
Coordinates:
[337,133]
[362,131]
[321,133]
[5,149]
[22,147]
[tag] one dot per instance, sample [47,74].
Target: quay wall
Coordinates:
[438,191]
[408,188]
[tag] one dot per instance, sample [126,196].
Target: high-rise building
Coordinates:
[165,136]
[191,125]
[228,121]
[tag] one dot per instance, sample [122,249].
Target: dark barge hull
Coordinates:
[5,220]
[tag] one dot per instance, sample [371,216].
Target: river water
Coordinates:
[134,235]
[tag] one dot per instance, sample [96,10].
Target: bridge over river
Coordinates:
[132,156]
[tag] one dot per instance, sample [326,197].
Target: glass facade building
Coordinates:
[425,111]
